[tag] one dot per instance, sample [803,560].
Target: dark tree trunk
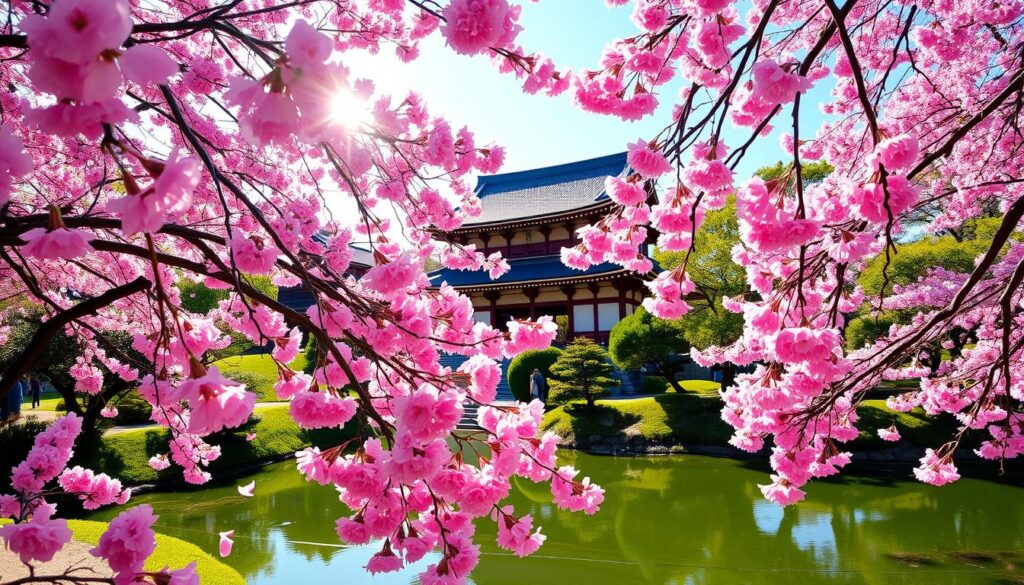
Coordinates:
[728,374]
[671,377]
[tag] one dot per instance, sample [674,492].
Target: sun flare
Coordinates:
[350,110]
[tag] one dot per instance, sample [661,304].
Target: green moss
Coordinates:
[667,418]
[170,552]
[126,455]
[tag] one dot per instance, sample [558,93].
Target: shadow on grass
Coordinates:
[601,420]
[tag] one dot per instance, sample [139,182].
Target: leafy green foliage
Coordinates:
[522,366]
[132,409]
[715,275]
[912,260]
[582,371]
[810,171]
[654,385]
[643,340]
[863,330]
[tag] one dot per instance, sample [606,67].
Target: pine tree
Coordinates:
[582,371]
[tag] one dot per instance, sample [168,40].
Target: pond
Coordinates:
[679,520]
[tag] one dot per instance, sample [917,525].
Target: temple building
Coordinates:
[529,216]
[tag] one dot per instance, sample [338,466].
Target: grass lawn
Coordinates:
[665,418]
[126,455]
[701,386]
[170,552]
[695,419]
[47,401]
[257,371]
[915,426]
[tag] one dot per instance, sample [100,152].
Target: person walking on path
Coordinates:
[539,386]
[12,401]
[36,386]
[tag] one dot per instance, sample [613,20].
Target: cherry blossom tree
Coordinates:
[147,144]
[923,129]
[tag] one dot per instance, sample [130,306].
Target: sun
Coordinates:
[350,110]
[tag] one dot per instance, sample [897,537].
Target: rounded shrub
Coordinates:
[132,409]
[523,364]
[654,385]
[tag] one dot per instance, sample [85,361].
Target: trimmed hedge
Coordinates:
[523,364]
[654,385]
[132,409]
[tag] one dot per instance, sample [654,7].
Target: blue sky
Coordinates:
[540,130]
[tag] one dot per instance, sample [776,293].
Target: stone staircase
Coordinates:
[504,394]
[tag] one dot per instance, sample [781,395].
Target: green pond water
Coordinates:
[681,520]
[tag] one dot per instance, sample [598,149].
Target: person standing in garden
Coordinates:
[538,386]
[36,388]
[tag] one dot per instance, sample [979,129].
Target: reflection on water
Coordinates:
[667,520]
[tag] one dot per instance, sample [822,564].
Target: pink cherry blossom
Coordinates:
[891,434]
[226,543]
[128,540]
[645,160]
[39,539]
[146,64]
[473,26]
[60,243]
[216,402]
[775,84]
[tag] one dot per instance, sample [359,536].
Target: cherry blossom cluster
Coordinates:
[37,536]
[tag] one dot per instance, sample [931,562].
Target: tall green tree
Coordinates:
[582,371]
[715,275]
[643,340]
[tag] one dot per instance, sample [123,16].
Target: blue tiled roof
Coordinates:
[521,270]
[546,191]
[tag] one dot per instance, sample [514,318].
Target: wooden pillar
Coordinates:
[569,290]
[571,226]
[493,296]
[593,288]
[531,293]
[621,288]
[508,234]
[546,231]
[486,237]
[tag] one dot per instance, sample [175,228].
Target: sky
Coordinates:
[539,130]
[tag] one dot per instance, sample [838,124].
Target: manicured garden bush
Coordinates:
[582,371]
[523,364]
[642,340]
[132,409]
[654,385]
